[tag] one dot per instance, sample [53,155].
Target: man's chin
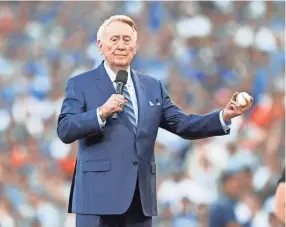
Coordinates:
[121,63]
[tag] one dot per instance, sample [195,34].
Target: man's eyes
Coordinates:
[125,40]
[114,39]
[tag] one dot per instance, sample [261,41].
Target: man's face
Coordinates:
[118,44]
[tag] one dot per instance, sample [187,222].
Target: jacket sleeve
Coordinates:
[189,126]
[73,122]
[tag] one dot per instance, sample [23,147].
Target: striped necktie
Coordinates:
[128,108]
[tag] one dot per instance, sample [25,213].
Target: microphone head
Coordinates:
[121,77]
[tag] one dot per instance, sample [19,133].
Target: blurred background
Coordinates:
[202,51]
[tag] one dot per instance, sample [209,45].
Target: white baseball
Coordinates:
[243,99]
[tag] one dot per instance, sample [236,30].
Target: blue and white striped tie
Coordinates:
[128,108]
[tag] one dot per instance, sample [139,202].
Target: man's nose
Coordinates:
[121,45]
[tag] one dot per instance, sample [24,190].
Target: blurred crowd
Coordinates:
[202,51]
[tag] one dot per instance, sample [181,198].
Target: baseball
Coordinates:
[243,99]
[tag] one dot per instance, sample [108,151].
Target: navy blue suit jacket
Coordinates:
[110,160]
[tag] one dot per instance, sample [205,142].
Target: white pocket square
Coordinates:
[151,103]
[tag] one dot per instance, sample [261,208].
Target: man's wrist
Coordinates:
[225,117]
[101,114]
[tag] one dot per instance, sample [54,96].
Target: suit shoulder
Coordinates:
[147,78]
[84,75]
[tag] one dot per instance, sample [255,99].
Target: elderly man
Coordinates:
[114,182]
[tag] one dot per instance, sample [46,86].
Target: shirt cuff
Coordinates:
[225,124]
[100,122]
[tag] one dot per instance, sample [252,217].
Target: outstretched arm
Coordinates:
[189,126]
[199,126]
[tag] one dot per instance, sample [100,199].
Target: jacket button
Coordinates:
[135,163]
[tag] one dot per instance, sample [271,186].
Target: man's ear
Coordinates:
[99,44]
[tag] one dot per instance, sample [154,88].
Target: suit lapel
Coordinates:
[106,87]
[141,99]
[104,83]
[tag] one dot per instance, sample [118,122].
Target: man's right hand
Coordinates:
[114,104]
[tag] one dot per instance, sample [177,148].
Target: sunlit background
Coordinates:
[202,51]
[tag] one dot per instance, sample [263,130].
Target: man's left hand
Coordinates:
[233,109]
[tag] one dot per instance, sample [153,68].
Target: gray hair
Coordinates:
[122,18]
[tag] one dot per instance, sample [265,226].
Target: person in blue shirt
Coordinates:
[221,213]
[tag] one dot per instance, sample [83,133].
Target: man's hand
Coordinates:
[114,104]
[233,109]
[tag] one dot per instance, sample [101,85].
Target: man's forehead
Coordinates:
[118,28]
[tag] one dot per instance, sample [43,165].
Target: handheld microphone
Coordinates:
[121,80]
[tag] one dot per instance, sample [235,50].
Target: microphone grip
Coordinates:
[119,90]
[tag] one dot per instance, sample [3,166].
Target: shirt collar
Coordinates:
[112,75]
